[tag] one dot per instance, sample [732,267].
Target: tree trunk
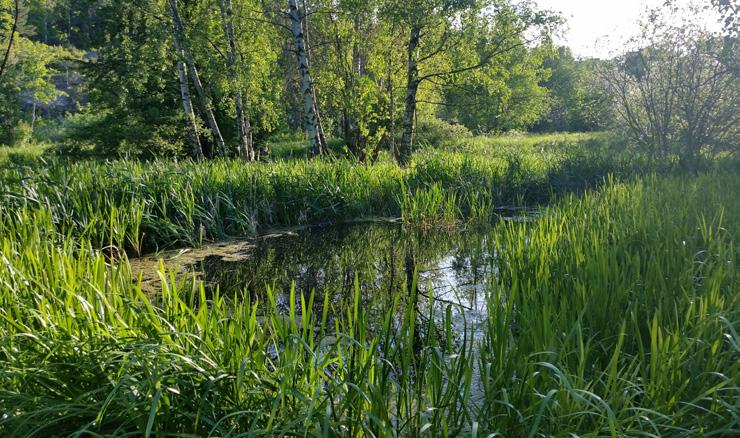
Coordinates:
[69,23]
[13,30]
[392,109]
[206,105]
[307,43]
[310,116]
[204,98]
[196,150]
[244,129]
[412,86]
[319,125]
[33,116]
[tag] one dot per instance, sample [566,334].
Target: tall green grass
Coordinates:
[614,314]
[140,207]
[21,154]
[430,207]
[620,314]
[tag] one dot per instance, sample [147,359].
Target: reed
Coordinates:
[142,207]
[430,207]
[613,314]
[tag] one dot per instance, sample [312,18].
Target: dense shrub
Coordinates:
[431,131]
[18,135]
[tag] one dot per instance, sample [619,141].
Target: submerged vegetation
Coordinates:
[612,314]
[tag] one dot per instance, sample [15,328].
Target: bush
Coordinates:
[112,134]
[19,135]
[440,133]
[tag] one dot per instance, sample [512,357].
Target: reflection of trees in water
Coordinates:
[383,257]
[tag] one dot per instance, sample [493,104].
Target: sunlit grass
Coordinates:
[614,314]
[141,207]
[430,207]
[24,154]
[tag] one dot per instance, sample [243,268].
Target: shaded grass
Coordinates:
[614,314]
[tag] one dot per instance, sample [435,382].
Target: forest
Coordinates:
[367,218]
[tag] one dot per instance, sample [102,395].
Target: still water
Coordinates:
[453,268]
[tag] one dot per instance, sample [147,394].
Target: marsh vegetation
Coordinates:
[218,220]
[554,300]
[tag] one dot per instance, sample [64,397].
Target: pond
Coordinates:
[453,269]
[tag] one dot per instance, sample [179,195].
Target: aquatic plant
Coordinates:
[613,314]
[144,206]
[430,207]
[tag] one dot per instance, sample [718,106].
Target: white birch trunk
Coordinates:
[311,121]
[207,105]
[205,100]
[196,150]
[412,87]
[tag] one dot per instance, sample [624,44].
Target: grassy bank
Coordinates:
[21,155]
[146,206]
[614,314]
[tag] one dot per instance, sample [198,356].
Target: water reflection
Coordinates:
[452,268]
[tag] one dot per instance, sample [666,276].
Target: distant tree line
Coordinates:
[208,78]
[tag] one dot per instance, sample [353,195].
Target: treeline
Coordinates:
[207,78]
[213,77]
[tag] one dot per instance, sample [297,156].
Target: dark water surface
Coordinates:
[452,269]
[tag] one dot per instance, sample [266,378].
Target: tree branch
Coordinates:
[13,30]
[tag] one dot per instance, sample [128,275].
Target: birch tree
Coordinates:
[244,129]
[438,43]
[310,109]
[196,149]
[206,104]
[11,37]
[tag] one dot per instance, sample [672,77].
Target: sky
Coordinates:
[589,21]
